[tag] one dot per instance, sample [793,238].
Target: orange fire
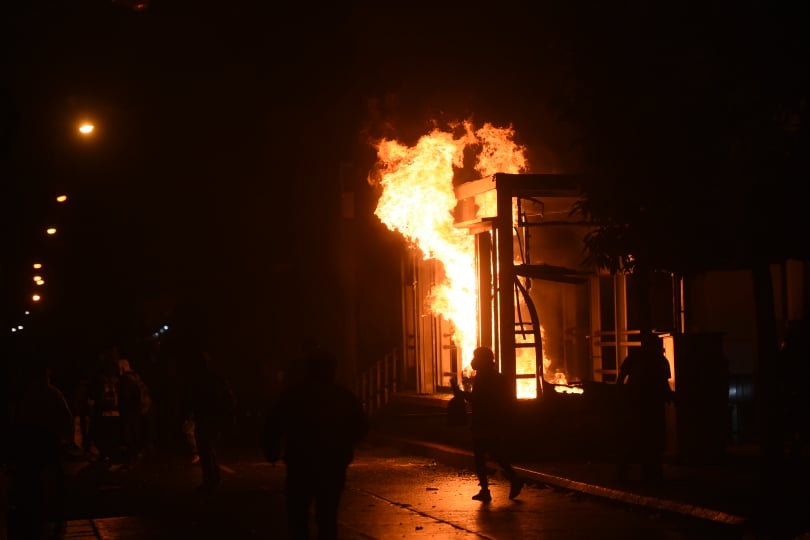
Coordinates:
[418,201]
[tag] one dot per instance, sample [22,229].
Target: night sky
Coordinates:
[214,175]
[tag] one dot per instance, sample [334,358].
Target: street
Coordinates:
[388,495]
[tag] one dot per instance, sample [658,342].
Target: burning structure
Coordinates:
[496,261]
[532,288]
[496,257]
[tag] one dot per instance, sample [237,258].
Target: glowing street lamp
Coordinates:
[37,266]
[51,230]
[61,198]
[86,128]
[35,297]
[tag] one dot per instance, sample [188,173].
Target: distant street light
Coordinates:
[51,230]
[37,266]
[86,128]
[61,198]
[35,297]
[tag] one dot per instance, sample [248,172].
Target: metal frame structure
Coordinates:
[502,275]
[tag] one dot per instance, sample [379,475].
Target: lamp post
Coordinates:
[86,128]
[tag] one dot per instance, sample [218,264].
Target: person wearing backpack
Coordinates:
[104,433]
[134,404]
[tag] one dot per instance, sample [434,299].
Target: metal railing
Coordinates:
[377,384]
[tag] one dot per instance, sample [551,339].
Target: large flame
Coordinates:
[418,201]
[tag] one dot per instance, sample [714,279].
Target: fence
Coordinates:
[378,383]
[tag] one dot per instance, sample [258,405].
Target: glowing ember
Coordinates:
[418,201]
[568,390]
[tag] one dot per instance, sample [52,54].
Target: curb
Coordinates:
[458,457]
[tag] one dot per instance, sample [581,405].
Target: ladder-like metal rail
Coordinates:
[378,383]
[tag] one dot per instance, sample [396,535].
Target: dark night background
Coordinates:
[227,131]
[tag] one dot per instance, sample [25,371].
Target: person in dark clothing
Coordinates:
[644,376]
[134,403]
[793,368]
[104,434]
[209,399]
[491,400]
[314,427]
[40,438]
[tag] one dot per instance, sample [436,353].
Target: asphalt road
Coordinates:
[389,495]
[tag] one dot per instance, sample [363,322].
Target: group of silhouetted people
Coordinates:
[116,411]
[313,426]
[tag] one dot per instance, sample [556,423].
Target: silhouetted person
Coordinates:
[105,418]
[40,438]
[82,410]
[209,399]
[491,399]
[134,404]
[794,371]
[314,427]
[188,428]
[644,376]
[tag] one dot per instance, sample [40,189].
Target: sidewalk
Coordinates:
[718,494]
[725,491]
[170,525]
